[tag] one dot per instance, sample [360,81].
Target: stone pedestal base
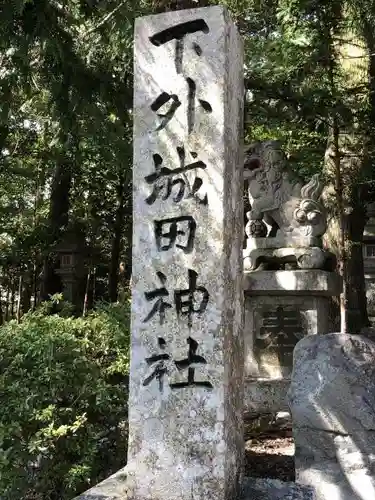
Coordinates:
[302,253]
[115,488]
[281,307]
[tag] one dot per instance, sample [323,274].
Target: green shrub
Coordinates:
[63,402]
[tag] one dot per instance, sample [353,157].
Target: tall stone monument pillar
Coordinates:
[186,375]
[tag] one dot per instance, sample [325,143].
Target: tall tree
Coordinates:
[304,85]
[66,125]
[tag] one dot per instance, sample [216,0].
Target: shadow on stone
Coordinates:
[269,447]
[332,401]
[265,465]
[273,489]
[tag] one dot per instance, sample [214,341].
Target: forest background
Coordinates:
[66,89]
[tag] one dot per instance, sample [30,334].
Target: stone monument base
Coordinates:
[264,396]
[300,253]
[281,307]
[114,488]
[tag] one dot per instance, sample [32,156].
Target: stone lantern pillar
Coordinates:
[70,269]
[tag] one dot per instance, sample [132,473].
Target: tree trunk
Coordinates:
[365,194]
[18,312]
[58,220]
[86,299]
[94,286]
[13,297]
[335,155]
[7,302]
[347,240]
[6,100]
[35,285]
[117,241]
[61,182]
[128,237]
[26,291]
[356,289]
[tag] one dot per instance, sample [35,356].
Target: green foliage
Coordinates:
[63,410]
[65,161]
[284,92]
[65,130]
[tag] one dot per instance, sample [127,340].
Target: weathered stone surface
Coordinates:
[314,282]
[265,396]
[369,332]
[286,204]
[281,307]
[268,423]
[284,240]
[113,488]
[299,257]
[273,489]
[293,213]
[333,384]
[278,196]
[185,418]
[332,401]
[273,327]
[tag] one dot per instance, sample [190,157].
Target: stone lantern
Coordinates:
[70,256]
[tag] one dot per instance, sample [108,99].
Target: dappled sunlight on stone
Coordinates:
[287,281]
[331,397]
[187,340]
[281,307]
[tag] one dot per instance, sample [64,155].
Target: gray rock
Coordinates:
[369,332]
[333,383]
[273,489]
[265,396]
[112,488]
[115,488]
[332,401]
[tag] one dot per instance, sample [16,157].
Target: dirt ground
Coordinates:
[269,451]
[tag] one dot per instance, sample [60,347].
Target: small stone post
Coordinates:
[186,374]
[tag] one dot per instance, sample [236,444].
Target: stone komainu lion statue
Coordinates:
[289,207]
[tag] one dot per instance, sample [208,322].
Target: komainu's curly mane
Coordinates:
[278,194]
[313,189]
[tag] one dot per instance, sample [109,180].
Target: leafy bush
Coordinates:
[63,402]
